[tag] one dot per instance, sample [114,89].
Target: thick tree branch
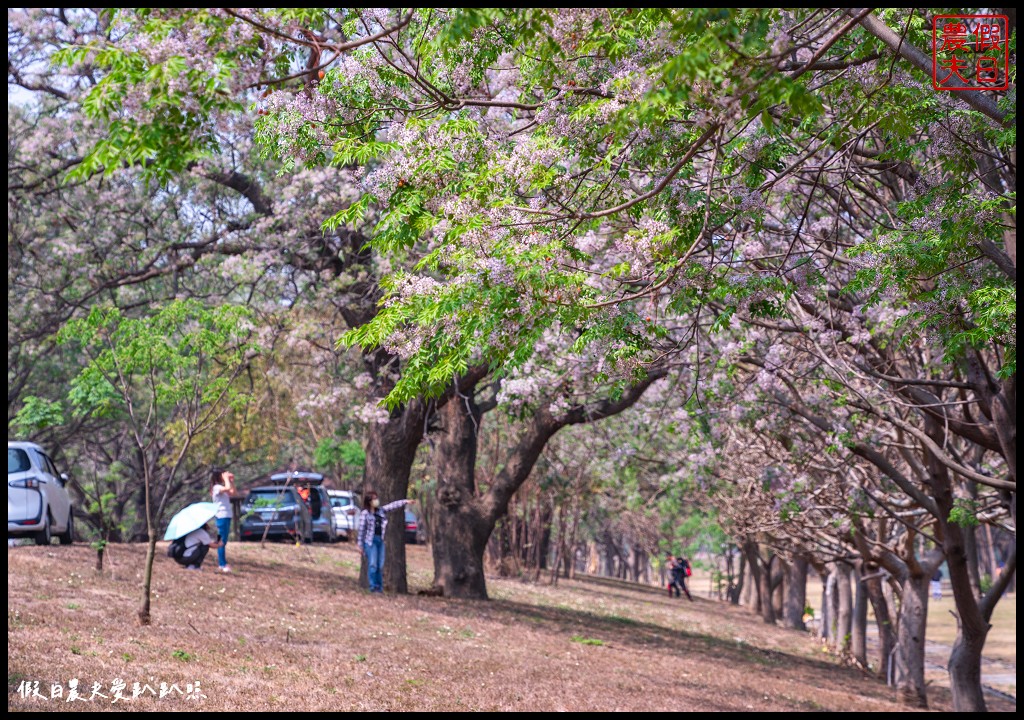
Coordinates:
[977,100]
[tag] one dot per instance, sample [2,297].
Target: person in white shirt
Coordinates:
[197,544]
[222,485]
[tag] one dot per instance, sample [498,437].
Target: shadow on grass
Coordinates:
[613,630]
[619,631]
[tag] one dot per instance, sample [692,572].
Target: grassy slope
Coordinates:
[291,631]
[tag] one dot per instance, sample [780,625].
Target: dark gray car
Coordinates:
[309,486]
[277,511]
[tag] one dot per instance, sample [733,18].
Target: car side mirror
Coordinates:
[64,479]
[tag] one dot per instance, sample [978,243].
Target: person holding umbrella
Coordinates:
[190,540]
[197,544]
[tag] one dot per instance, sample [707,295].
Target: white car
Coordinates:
[345,508]
[37,502]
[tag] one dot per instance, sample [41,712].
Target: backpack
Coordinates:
[686,568]
[176,550]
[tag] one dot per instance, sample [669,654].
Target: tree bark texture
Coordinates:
[844,619]
[858,637]
[796,593]
[461,531]
[910,687]
[883,619]
[390,451]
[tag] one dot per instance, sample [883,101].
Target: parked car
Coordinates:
[345,506]
[38,504]
[278,511]
[309,486]
[414,534]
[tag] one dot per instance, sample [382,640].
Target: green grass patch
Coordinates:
[623,620]
[586,640]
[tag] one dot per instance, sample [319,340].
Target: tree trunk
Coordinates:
[147,577]
[390,451]
[910,687]
[990,554]
[468,520]
[970,539]
[883,619]
[639,563]
[147,582]
[796,594]
[750,599]
[736,592]
[779,571]
[754,566]
[767,605]
[570,558]
[965,670]
[844,618]
[460,530]
[972,624]
[560,551]
[828,581]
[859,639]
[609,556]
[544,515]
[593,560]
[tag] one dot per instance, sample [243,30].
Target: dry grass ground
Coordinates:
[291,631]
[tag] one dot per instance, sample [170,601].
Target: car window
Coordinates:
[270,498]
[410,516]
[17,461]
[340,501]
[50,467]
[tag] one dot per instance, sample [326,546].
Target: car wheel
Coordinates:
[68,536]
[43,536]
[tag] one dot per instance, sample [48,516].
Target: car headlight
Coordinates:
[25,483]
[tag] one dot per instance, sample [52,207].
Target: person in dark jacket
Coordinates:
[679,572]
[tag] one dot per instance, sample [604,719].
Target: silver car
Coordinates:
[345,506]
[38,505]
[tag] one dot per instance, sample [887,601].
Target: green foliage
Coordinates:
[964,512]
[37,414]
[586,640]
[345,456]
[176,98]
[184,356]
[727,68]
